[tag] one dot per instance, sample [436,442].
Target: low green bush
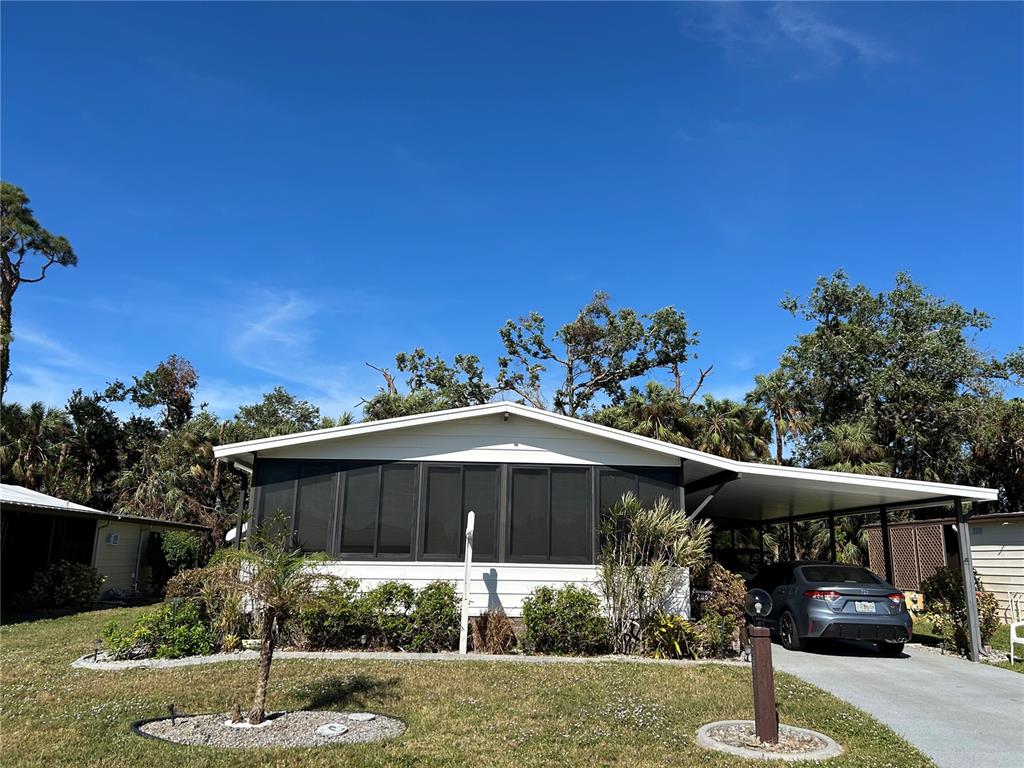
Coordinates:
[335,619]
[392,615]
[946,607]
[434,621]
[62,585]
[175,630]
[566,621]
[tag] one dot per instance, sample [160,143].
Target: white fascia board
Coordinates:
[250,447]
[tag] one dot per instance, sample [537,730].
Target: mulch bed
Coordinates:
[282,729]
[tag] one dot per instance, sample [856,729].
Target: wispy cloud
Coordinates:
[801,32]
[278,336]
[46,370]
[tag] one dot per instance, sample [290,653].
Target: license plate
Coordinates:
[864,606]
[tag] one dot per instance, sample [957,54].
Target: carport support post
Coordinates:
[970,588]
[832,537]
[883,518]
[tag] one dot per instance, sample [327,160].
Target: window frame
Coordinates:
[590,557]
[340,511]
[424,492]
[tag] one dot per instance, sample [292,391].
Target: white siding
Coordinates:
[998,554]
[482,439]
[492,585]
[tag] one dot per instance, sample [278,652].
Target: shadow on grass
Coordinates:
[346,691]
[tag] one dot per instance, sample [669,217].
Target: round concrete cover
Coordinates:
[362,717]
[332,729]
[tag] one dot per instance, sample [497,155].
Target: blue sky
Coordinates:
[281,193]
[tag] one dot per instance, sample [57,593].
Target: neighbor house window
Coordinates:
[378,510]
[451,492]
[550,514]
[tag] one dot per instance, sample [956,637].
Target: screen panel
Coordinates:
[570,513]
[443,523]
[359,512]
[529,511]
[397,508]
[480,494]
[316,505]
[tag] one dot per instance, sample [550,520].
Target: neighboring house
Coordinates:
[39,530]
[920,548]
[388,499]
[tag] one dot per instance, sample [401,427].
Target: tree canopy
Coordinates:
[22,237]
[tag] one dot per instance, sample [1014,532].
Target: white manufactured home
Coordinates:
[388,499]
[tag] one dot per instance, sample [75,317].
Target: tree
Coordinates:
[850,447]
[595,354]
[776,394]
[904,361]
[176,477]
[433,385]
[731,430]
[170,386]
[276,581]
[997,450]
[33,444]
[93,454]
[22,236]
[657,412]
[278,413]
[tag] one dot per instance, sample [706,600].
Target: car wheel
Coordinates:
[791,639]
[890,649]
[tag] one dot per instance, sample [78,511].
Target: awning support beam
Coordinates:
[718,478]
[970,588]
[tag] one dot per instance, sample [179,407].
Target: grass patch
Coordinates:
[458,714]
[925,634]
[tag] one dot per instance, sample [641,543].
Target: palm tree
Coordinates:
[277,581]
[730,429]
[657,412]
[775,394]
[850,447]
[33,444]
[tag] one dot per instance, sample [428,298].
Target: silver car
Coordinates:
[812,600]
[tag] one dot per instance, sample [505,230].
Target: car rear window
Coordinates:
[838,574]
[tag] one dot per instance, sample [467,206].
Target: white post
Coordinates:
[464,630]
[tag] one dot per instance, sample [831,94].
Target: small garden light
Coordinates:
[757,603]
[96,646]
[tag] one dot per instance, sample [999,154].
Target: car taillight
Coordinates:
[897,597]
[822,594]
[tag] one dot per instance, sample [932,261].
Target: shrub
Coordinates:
[725,590]
[63,585]
[221,603]
[175,630]
[335,618]
[171,552]
[946,607]
[434,621]
[567,621]
[387,608]
[674,637]
[643,554]
[492,632]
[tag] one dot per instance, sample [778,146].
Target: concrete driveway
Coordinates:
[960,714]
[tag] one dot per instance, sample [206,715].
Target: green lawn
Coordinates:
[1000,641]
[474,713]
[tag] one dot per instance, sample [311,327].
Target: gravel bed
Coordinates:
[743,735]
[737,737]
[302,728]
